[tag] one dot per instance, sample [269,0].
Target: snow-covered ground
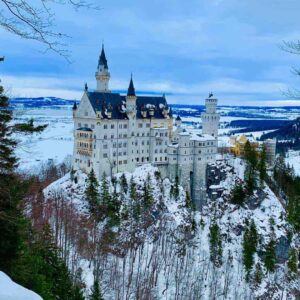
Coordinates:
[10,290]
[178,256]
[293,160]
[55,143]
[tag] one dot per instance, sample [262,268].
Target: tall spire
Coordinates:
[102,59]
[131,89]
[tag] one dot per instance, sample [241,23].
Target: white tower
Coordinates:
[210,118]
[102,74]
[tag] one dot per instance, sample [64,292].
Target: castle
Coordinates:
[116,133]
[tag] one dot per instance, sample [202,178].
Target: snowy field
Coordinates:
[54,144]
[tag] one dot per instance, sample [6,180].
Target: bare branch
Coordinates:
[37,21]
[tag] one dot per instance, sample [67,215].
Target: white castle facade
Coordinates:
[115,133]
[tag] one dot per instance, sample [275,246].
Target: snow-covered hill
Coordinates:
[165,253]
[10,290]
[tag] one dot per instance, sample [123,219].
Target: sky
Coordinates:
[184,49]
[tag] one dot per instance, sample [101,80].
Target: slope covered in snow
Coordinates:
[10,290]
[165,252]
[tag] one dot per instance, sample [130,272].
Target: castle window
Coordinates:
[148,134]
[92,126]
[155,151]
[105,155]
[148,125]
[105,136]
[137,159]
[105,146]
[143,134]
[166,158]
[125,135]
[124,153]
[120,145]
[199,151]
[105,126]
[114,154]
[125,162]
[125,126]
[120,153]
[137,134]
[120,162]
[148,143]
[140,125]
[112,126]
[120,135]
[174,151]
[86,125]
[112,136]
[120,126]
[155,158]
[124,144]
[114,145]
[160,158]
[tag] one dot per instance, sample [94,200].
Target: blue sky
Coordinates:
[182,48]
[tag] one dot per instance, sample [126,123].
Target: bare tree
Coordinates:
[35,20]
[292,47]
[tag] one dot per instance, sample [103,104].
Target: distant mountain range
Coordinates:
[287,136]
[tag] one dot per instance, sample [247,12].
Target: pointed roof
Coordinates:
[178,118]
[102,59]
[131,89]
[74,105]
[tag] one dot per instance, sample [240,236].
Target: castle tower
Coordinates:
[102,74]
[131,100]
[210,118]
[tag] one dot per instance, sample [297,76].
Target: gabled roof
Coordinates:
[102,59]
[117,103]
[178,118]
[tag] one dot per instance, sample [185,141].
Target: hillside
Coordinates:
[164,250]
[288,136]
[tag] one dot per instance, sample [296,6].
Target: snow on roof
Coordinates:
[202,137]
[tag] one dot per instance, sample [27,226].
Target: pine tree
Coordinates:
[258,274]
[293,212]
[92,194]
[176,188]
[249,247]
[251,165]
[292,262]
[12,188]
[238,195]
[147,193]
[215,240]
[188,200]
[123,184]
[104,194]
[96,292]
[262,168]
[270,256]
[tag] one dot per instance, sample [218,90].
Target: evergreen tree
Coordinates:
[215,240]
[104,194]
[176,187]
[96,292]
[292,262]
[123,183]
[132,190]
[293,212]
[92,194]
[12,188]
[251,164]
[262,168]
[238,194]
[188,200]
[258,274]
[270,256]
[147,193]
[249,246]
